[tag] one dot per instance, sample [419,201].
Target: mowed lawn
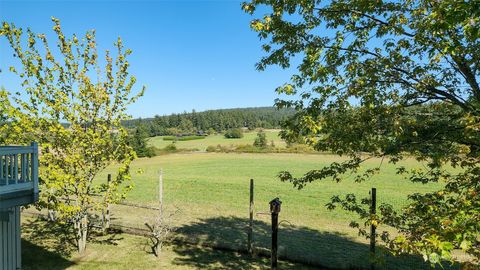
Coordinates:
[44,248]
[218,139]
[211,193]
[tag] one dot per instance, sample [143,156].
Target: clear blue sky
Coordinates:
[190,54]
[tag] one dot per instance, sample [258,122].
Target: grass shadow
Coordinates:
[52,236]
[212,259]
[327,250]
[50,245]
[111,237]
[38,257]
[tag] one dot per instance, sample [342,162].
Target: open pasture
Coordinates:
[217,139]
[211,190]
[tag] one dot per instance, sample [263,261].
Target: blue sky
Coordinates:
[190,54]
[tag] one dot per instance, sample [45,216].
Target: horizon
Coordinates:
[191,55]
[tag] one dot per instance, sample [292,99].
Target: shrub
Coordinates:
[211,148]
[211,131]
[260,140]
[235,133]
[191,138]
[220,148]
[170,148]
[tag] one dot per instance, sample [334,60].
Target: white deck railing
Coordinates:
[18,168]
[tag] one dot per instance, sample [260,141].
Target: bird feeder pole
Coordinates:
[275,206]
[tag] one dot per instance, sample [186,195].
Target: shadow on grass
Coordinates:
[51,236]
[38,257]
[325,250]
[212,259]
[49,245]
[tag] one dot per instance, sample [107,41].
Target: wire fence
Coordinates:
[324,246]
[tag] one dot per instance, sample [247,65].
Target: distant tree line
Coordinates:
[211,121]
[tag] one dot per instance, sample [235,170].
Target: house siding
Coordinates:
[10,241]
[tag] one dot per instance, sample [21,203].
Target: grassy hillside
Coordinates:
[201,145]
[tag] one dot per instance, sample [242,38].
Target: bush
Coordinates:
[211,148]
[248,148]
[191,138]
[235,133]
[220,148]
[211,131]
[170,148]
[138,141]
[260,140]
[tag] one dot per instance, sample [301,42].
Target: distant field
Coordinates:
[211,191]
[201,145]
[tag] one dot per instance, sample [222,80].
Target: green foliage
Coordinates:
[170,148]
[248,148]
[183,138]
[235,133]
[73,107]
[388,79]
[260,140]
[211,131]
[213,121]
[138,141]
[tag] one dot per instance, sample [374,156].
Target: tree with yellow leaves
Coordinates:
[73,107]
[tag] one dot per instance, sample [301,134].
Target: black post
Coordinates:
[275,209]
[373,227]
[250,225]
[274,240]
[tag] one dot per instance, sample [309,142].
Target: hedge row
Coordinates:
[183,138]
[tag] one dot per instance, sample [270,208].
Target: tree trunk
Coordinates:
[51,215]
[82,229]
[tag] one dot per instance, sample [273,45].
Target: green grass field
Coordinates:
[211,190]
[201,145]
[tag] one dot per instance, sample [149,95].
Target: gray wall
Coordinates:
[10,250]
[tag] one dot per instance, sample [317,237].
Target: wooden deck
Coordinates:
[18,186]
[18,175]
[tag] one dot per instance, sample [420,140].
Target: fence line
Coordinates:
[248,229]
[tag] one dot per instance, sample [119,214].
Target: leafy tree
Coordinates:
[74,108]
[261,140]
[186,126]
[234,133]
[394,79]
[211,131]
[138,141]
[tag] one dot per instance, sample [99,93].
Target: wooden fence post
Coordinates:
[106,215]
[373,227]
[250,225]
[160,193]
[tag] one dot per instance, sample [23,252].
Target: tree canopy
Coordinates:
[217,120]
[393,79]
[73,107]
